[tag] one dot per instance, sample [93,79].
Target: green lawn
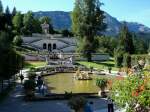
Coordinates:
[99,65]
[31,64]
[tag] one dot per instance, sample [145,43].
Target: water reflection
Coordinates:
[65,82]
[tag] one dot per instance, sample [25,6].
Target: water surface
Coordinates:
[62,82]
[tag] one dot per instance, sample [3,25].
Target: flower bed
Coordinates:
[132,92]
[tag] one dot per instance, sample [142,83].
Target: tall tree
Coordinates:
[2,22]
[27,22]
[7,11]
[2,19]
[17,22]
[8,17]
[10,61]
[125,46]
[140,45]
[1,7]
[126,40]
[66,33]
[87,21]
[14,11]
[45,19]
[37,26]
[107,44]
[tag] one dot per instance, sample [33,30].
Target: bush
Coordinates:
[132,91]
[29,85]
[101,83]
[127,60]
[68,95]
[118,57]
[77,103]
[17,40]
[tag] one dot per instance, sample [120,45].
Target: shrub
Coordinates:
[127,60]
[68,95]
[132,91]
[101,82]
[17,40]
[77,103]
[29,85]
[118,57]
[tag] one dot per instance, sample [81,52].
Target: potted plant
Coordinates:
[102,84]
[77,103]
[29,87]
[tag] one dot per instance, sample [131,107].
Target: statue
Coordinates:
[139,66]
[45,28]
[82,75]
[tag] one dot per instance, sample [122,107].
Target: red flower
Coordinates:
[135,93]
[110,82]
[119,78]
[142,88]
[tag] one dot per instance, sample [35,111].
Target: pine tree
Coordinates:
[7,11]
[10,61]
[17,22]
[37,26]
[1,7]
[87,21]
[8,16]
[14,11]
[2,19]
[126,40]
[27,22]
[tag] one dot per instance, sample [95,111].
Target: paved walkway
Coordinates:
[15,103]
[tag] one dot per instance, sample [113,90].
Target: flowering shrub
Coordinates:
[132,93]
[112,80]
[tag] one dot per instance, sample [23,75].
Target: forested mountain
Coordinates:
[62,20]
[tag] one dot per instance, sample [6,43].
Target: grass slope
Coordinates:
[99,65]
[33,64]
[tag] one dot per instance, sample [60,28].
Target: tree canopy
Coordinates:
[14,11]
[87,22]
[126,40]
[17,22]
[1,8]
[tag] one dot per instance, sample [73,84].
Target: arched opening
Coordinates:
[54,46]
[44,46]
[49,47]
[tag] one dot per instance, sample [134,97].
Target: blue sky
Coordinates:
[129,10]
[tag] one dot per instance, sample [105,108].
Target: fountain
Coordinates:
[82,75]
